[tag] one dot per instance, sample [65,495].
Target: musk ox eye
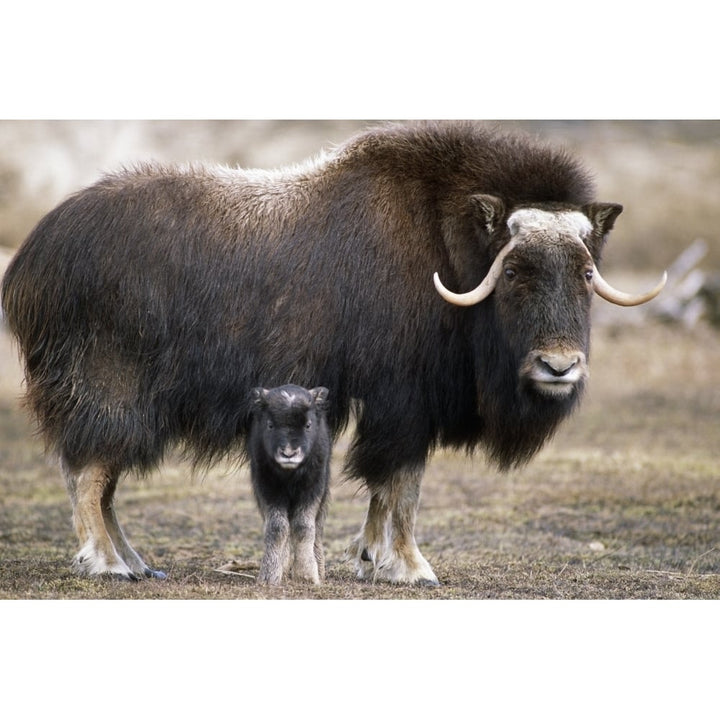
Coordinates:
[589,275]
[270,425]
[308,424]
[510,273]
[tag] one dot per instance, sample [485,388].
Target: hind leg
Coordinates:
[123,547]
[89,489]
[386,549]
[103,546]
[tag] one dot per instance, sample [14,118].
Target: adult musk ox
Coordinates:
[149,305]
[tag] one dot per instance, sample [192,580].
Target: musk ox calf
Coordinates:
[289,449]
[148,305]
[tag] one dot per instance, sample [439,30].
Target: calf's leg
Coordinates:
[319,550]
[303,534]
[276,559]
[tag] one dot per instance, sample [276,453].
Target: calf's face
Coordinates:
[288,420]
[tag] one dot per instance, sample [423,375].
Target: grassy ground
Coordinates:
[622,504]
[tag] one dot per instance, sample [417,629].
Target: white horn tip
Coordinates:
[626,299]
[658,288]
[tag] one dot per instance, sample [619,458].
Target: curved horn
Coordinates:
[609,293]
[483,289]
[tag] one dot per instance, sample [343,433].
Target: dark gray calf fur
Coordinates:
[289,448]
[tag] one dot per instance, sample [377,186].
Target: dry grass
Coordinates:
[622,504]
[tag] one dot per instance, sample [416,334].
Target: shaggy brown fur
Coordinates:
[148,305]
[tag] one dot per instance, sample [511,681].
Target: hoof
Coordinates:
[89,563]
[124,577]
[426,582]
[157,574]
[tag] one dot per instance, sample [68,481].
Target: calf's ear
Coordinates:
[320,397]
[259,397]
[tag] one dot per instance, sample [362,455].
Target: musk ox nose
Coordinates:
[289,452]
[559,365]
[289,456]
[555,372]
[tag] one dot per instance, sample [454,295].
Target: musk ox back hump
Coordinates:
[466,157]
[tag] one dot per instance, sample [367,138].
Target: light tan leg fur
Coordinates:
[303,541]
[277,557]
[386,549]
[103,545]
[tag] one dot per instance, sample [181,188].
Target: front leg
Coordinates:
[277,547]
[319,533]
[303,533]
[386,549]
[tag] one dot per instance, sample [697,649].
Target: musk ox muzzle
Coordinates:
[289,457]
[555,372]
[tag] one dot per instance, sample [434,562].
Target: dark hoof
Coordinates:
[130,577]
[365,556]
[428,583]
[157,574]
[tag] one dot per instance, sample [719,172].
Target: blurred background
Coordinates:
[666,174]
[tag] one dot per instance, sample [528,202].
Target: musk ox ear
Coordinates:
[489,210]
[602,216]
[259,396]
[320,397]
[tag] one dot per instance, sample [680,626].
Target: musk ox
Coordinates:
[289,449]
[148,305]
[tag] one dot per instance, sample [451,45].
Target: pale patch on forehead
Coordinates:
[294,400]
[289,397]
[550,225]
